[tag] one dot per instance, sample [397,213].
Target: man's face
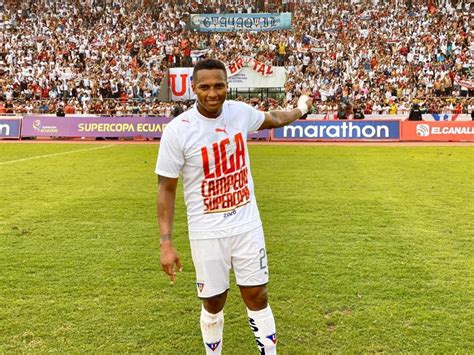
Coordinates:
[210,87]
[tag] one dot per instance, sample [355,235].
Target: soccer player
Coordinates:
[208,146]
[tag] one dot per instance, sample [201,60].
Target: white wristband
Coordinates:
[302,104]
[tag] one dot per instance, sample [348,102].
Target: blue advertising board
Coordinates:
[338,131]
[10,128]
[239,22]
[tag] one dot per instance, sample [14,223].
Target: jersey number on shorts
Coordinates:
[262,257]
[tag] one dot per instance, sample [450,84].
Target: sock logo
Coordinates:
[261,346]
[253,326]
[200,286]
[213,346]
[273,338]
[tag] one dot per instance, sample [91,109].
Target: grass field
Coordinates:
[370,250]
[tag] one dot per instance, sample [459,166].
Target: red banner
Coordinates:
[446,131]
[467,83]
[236,66]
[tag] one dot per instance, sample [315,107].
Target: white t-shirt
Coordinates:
[212,156]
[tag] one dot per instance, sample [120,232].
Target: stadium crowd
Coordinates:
[110,56]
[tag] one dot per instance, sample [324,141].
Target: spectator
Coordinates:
[69,109]
[359,113]
[60,111]
[177,110]
[415,113]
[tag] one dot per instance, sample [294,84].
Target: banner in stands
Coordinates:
[198,53]
[180,84]
[238,64]
[437,131]
[338,131]
[180,81]
[10,127]
[41,126]
[239,22]
[249,78]
[467,83]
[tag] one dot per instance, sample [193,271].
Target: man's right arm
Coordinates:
[165,212]
[280,118]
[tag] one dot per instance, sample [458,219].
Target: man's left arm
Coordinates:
[275,119]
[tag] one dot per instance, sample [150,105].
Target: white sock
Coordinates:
[262,324]
[212,328]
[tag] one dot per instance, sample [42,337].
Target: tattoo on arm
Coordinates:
[274,117]
[282,118]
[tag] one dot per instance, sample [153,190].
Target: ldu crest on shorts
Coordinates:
[200,286]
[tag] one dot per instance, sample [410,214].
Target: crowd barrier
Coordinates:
[373,130]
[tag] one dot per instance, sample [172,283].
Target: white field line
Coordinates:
[55,154]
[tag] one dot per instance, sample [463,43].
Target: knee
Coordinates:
[215,304]
[255,298]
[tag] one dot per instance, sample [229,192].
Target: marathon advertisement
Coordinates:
[338,131]
[239,22]
[10,128]
[47,126]
[447,131]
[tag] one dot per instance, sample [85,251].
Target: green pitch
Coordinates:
[370,250]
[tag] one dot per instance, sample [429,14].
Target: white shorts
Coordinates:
[214,258]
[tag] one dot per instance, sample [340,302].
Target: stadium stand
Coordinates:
[109,57]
